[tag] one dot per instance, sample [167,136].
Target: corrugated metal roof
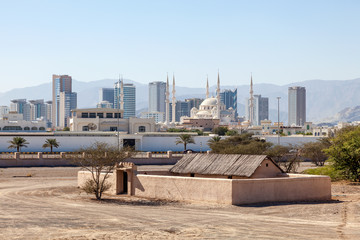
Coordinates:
[219,164]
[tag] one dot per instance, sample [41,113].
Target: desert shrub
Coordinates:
[328,170]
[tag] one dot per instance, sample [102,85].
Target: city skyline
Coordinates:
[271,39]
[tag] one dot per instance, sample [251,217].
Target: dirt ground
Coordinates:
[45,203]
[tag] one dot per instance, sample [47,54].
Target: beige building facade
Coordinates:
[108,119]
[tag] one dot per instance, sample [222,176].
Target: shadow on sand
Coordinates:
[269,204]
[136,202]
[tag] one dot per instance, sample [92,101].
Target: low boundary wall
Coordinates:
[64,159]
[295,187]
[288,188]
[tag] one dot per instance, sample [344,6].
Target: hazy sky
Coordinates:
[278,41]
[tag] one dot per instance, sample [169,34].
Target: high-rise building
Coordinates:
[4,110]
[60,83]
[158,116]
[104,104]
[229,98]
[157,96]
[194,102]
[182,108]
[37,109]
[67,102]
[129,98]
[260,109]
[22,107]
[48,113]
[297,106]
[106,94]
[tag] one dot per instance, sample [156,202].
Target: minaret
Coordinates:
[207,87]
[173,102]
[122,94]
[167,102]
[251,117]
[218,96]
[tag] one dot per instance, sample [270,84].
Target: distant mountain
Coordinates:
[325,98]
[346,115]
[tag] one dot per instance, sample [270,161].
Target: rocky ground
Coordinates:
[45,203]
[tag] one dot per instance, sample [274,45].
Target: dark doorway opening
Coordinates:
[125,182]
[129,143]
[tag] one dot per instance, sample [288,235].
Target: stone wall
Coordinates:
[183,188]
[295,187]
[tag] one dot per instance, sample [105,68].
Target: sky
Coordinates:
[279,42]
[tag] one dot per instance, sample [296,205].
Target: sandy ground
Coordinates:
[48,205]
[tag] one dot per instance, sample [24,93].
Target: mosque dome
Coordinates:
[209,102]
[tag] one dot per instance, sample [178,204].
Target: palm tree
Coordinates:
[51,143]
[214,139]
[185,139]
[18,143]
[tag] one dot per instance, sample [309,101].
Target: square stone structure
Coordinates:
[220,178]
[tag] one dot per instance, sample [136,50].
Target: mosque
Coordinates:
[213,108]
[210,110]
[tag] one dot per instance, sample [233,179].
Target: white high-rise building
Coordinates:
[37,109]
[297,106]
[4,110]
[61,83]
[48,113]
[157,97]
[67,102]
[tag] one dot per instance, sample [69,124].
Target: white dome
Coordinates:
[209,102]
[203,113]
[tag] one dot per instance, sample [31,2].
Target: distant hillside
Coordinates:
[325,98]
[346,115]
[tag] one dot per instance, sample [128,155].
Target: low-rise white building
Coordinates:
[14,121]
[158,116]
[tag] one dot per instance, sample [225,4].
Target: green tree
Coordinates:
[231,133]
[51,143]
[100,159]
[315,152]
[214,139]
[185,139]
[344,152]
[287,157]
[18,143]
[221,131]
[240,144]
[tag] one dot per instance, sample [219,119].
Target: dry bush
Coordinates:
[100,159]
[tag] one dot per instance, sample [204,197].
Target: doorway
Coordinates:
[129,143]
[125,182]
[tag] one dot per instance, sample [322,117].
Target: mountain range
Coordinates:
[325,98]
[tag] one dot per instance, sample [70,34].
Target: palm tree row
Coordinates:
[20,142]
